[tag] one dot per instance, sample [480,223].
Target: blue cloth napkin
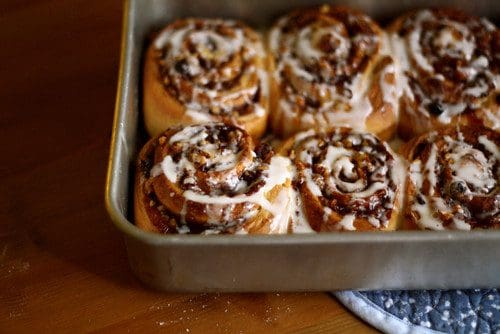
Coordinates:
[427,311]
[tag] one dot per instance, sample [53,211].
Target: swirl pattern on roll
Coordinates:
[453,180]
[331,68]
[449,63]
[212,179]
[212,69]
[345,180]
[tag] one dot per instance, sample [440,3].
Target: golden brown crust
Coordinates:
[453,179]
[448,61]
[345,180]
[141,201]
[206,79]
[161,111]
[328,69]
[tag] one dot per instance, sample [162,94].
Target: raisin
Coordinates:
[457,188]
[256,96]
[264,151]
[182,67]
[435,108]
[420,199]
[211,44]
[312,102]
[145,167]
[249,176]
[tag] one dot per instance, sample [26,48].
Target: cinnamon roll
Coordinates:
[345,180]
[204,70]
[211,178]
[453,180]
[449,66]
[330,67]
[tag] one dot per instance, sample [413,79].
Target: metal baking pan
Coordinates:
[329,261]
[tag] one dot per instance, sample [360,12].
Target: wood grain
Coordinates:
[63,267]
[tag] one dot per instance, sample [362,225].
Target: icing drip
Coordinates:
[347,223]
[391,90]
[298,218]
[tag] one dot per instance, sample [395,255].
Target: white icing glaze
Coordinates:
[374,222]
[299,222]
[156,170]
[199,117]
[477,91]
[470,168]
[281,220]
[427,219]
[171,170]
[490,146]
[458,224]
[196,142]
[278,174]
[218,48]
[326,214]
[447,43]
[451,110]
[430,169]
[402,64]
[303,135]
[391,92]
[415,173]
[453,39]
[305,47]
[183,229]
[313,187]
[190,134]
[399,172]
[343,177]
[347,223]
[294,51]
[333,154]
[493,118]
[416,51]
[496,81]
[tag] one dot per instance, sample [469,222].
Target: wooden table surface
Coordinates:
[63,266]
